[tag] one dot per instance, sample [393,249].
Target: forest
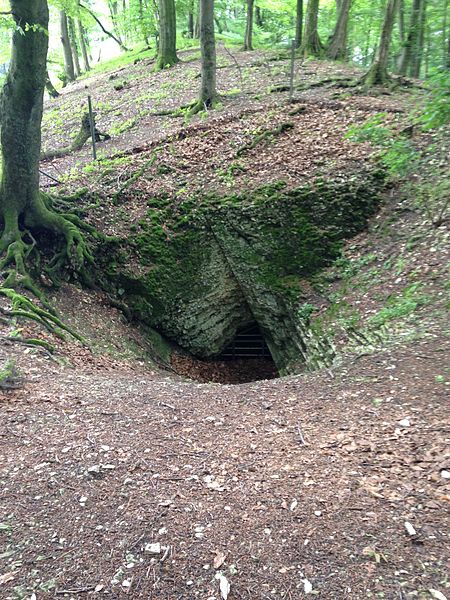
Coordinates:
[224,250]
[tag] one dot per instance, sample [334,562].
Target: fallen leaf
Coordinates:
[410,529]
[224,586]
[6,577]
[437,594]
[219,559]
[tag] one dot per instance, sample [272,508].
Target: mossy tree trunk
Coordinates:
[411,38]
[23,208]
[167,51]
[337,49]
[378,73]
[69,67]
[208,51]
[299,24]
[52,91]
[248,39]
[419,44]
[311,45]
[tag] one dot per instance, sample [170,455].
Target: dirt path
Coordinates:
[139,486]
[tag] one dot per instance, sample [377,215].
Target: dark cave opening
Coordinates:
[245,359]
[248,343]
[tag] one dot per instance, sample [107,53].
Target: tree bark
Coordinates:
[52,91]
[69,67]
[74,46]
[22,207]
[167,52]
[248,39]
[311,45]
[447,60]
[84,50]
[411,38]
[299,24]
[337,49]
[378,73]
[208,51]
[419,42]
[259,17]
[190,22]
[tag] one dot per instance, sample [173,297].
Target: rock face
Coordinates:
[199,270]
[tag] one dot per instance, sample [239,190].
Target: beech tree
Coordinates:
[69,67]
[248,38]
[311,45]
[208,91]
[24,210]
[337,48]
[378,72]
[167,50]
[299,23]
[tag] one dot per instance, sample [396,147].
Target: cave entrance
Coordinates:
[246,358]
[248,343]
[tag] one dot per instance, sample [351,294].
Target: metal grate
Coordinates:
[247,343]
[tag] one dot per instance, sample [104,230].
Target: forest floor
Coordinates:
[119,479]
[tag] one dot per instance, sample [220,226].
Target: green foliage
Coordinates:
[397,153]
[434,198]
[436,112]
[9,375]
[401,306]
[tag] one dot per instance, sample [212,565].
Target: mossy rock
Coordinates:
[198,270]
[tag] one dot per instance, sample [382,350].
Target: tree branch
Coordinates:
[99,23]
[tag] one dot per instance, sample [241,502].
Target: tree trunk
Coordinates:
[248,39]
[69,67]
[190,23]
[337,49]
[52,91]
[378,74]
[311,45]
[258,16]
[74,46]
[447,61]
[411,38]
[167,53]
[114,11]
[208,50]
[21,204]
[417,48]
[299,24]
[84,50]
[401,20]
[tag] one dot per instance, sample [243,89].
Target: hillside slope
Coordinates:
[120,477]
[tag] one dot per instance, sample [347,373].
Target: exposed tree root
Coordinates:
[25,308]
[30,342]
[264,135]
[175,112]
[18,249]
[365,82]
[135,176]
[78,142]
[199,106]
